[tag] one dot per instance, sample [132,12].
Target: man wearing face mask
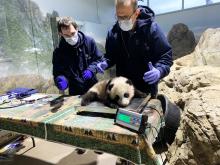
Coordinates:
[75,59]
[138,47]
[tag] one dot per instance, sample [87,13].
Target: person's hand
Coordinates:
[153,75]
[61,82]
[87,74]
[102,66]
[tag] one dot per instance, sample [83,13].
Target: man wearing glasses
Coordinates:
[75,59]
[138,47]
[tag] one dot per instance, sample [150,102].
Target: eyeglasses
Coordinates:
[123,18]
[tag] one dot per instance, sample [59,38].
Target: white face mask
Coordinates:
[72,40]
[126,25]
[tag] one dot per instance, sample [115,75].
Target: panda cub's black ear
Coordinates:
[108,86]
[129,82]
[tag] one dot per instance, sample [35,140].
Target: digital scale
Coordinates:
[133,120]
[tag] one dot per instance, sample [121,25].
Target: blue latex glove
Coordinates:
[61,82]
[102,66]
[153,75]
[87,74]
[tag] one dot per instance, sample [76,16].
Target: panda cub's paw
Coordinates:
[88,98]
[111,104]
[114,106]
[84,101]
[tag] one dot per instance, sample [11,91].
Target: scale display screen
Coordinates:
[129,119]
[124,118]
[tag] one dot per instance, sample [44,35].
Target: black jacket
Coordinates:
[71,61]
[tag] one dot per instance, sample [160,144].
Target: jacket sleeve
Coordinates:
[111,49]
[161,50]
[58,69]
[97,56]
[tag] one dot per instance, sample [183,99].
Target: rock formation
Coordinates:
[182,40]
[196,89]
[207,51]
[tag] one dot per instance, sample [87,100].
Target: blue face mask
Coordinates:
[72,40]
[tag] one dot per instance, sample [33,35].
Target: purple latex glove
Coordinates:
[61,82]
[102,66]
[87,74]
[153,75]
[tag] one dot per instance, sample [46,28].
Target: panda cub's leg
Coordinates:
[139,94]
[88,98]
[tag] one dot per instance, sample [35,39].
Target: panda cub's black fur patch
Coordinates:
[129,82]
[89,97]
[110,87]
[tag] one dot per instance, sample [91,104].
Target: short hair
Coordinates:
[66,22]
[134,3]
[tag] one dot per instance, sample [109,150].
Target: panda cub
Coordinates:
[116,92]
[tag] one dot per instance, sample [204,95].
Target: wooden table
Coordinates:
[70,125]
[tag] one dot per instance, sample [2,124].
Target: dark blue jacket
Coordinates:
[71,61]
[131,51]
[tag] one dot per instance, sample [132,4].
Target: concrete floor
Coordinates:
[49,153]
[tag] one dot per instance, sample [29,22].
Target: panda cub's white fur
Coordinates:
[115,92]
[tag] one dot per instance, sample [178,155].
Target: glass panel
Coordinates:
[194,3]
[161,6]
[214,1]
[25,44]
